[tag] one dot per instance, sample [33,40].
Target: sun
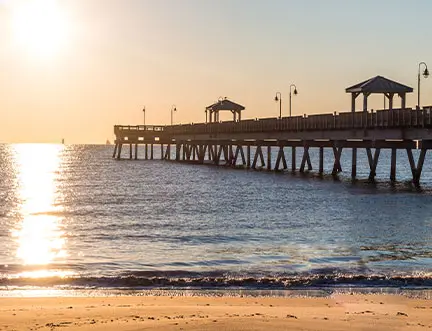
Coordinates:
[39,27]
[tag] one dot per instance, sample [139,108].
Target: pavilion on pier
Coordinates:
[223,104]
[378,85]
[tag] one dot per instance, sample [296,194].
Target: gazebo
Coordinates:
[212,111]
[380,85]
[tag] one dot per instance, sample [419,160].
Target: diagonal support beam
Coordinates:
[237,152]
[225,153]
[306,159]
[242,155]
[420,163]
[337,152]
[258,154]
[281,157]
[202,153]
[411,162]
[373,161]
[219,154]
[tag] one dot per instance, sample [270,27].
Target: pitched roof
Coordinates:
[225,104]
[379,84]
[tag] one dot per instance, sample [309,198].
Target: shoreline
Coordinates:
[312,292]
[170,312]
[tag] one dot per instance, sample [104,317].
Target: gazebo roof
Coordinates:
[225,104]
[379,84]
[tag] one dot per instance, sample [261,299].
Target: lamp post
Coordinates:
[280,103]
[295,93]
[173,109]
[425,75]
[144,116]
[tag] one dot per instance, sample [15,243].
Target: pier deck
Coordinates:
[224,143]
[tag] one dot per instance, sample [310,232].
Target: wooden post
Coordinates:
[167,152]
[119,151]
[151,151]
[162,151]
[391,95]
[403,100]
[293,159]
[268,157]
[178,147]
[321,160]
[146,151]
[353,98]
[136,151]
[365,97]
[115,150]
[184,151]
[393,165]
[130,151]
[248,156]
[354,164]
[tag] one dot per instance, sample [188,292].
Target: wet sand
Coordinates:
[338,312]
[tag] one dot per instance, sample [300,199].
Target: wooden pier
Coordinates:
[229,143]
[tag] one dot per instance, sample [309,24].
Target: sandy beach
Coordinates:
[338,312]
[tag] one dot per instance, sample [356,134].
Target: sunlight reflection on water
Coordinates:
[38,233]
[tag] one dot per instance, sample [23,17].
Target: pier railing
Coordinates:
[395,118]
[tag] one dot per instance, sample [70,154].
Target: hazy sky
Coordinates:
[73,68]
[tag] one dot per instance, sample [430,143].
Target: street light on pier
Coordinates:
[425,75]
[173,109]
[144,116]
[295,93]
[280,103]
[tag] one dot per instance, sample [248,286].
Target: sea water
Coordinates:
[71,217]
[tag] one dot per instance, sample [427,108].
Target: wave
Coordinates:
[178,279]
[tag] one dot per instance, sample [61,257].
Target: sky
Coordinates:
[73,69]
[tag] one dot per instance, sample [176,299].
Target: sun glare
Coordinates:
[39,26]
[39,235]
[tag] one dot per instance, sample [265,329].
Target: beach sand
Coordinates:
[338,312]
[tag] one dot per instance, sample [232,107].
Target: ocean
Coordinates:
[73,218]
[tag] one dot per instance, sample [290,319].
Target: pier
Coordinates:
[230,143]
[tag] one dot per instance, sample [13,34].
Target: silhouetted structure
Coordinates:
[229,143]
[213,110]
[380,85]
